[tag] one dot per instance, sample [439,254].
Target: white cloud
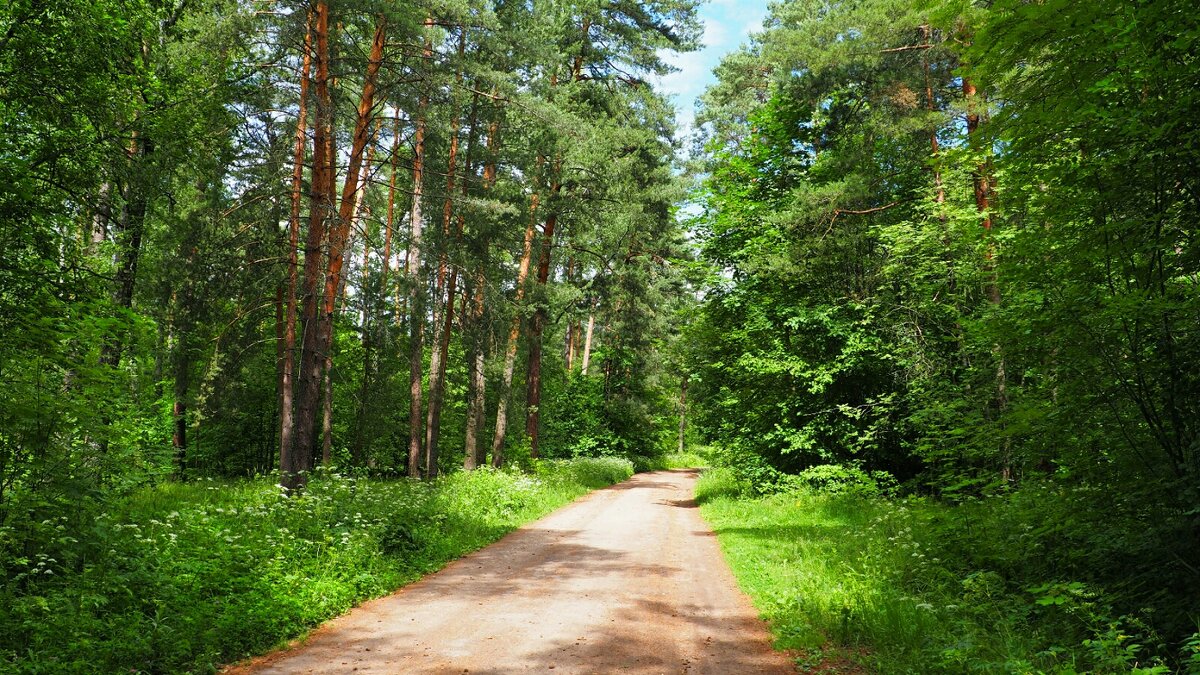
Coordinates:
[727,24]
[715,34]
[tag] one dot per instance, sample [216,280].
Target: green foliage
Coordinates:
[186,577]
[955,243]
[1191,654]
[837,479]
[587,422]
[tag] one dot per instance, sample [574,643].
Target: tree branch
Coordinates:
[906,48]
[877,209]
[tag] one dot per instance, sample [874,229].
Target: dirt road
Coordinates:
[626,580]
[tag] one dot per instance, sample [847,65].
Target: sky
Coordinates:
[727,24]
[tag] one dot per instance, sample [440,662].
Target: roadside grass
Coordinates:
[185,577]
[898,586]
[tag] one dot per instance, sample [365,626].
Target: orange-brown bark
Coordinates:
[321,207]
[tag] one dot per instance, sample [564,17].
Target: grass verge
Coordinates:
[914,586]
[185,577]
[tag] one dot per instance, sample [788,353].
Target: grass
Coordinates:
[899,586]
[186,577]
[696,458]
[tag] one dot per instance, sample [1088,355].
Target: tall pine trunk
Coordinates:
[475,454]
[416,290]
[533,391]
[514,332]
[329,221]
[287,366]
[339,234]
[321,205]
[931,106]
[444,321]
[131,225]
[683,385]
[390,223]
[533,378]
[473,321]
[587,341]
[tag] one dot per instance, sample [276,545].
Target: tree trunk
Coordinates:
[327,408]
[101,218]
[981,179]
[391,209]
[569,338]
[475,454]
[931,106]
[364,323]
[321,211]
[339,233]
[683,384]
[179,408]
[533,393]
[287,367]
[353,196]
[280,359]
[131,226]
[980,176]
[416,292]
[444,321]
[587,340]
[356,451]
[514,333]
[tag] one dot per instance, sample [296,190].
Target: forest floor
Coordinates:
[628,579]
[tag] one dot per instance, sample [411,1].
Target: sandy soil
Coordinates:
[626,580]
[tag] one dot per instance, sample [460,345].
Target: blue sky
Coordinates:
[727,24]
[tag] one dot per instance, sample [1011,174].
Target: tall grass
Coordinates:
[902,586]
[185,577]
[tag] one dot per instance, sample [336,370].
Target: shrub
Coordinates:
[840,479]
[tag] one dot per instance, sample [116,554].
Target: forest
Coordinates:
[952,262]
[301,299]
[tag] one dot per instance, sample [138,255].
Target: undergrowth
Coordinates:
[694,458]
[910,585]
[185,577]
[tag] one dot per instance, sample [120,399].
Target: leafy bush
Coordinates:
[752,469]
[839,479]
[588,423]
[184,577]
